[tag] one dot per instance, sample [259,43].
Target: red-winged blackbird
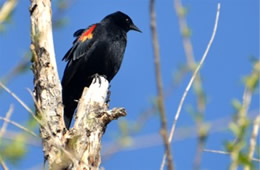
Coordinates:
[99,49]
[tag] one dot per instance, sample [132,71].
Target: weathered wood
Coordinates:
[91,120]
[47,88]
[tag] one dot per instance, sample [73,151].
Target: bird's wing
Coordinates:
[83,46]
[84,38]
[79,32]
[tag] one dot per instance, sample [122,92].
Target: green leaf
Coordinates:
[234,128]
[252,81]
[126,141]
[244,160]
[229,146]
[182,12]
[236,104]
[123,126]
[203,131]
[186,32]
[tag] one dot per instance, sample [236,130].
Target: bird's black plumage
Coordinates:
[99,49]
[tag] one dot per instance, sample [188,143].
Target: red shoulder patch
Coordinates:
[88,33]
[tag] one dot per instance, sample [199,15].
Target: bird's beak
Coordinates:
[133,27]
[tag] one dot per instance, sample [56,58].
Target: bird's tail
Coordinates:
[68,113]
[68,97]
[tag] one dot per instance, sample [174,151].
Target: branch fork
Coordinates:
[92,117]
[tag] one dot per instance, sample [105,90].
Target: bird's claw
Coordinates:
[108,96]
[97,77]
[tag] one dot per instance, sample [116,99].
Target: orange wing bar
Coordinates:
[87,34]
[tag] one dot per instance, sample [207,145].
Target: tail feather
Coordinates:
[68,113]
[69,97]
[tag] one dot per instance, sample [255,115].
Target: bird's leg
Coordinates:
[108,95]
[97,77]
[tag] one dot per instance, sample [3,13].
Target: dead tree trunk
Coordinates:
[79,147]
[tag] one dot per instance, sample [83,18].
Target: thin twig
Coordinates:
[197,84]
[160,99]
[19,101]
[19,126]
[247,96]
[241,117]
[253,138]
[22,66]
[194,75]
[2,131]
[30,140]
[7,9]
[226,153]
[188,49]
[191,81]
[58,143]
[7,116]
[152,140]
[4,166]
[216,151]
[184,28]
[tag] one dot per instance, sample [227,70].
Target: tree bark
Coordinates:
[47,88]
[79,147]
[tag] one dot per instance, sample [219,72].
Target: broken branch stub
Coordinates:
[90,124]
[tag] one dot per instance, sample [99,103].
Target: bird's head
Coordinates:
[123,21]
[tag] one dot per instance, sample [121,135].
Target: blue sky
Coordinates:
[133,87]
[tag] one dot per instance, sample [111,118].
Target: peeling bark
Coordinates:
[91,120]
[47,89]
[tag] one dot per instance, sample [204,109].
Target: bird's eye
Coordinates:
[127,20]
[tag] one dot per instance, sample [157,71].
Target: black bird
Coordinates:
[99,49]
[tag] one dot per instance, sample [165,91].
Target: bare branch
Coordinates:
[181,12]
[216,151]
[240,121]
[17,98]
[4,166]
[253,138]
[54,142]
[30,139]
[19,126]
[20,101]
[57,143]
[184,30]
[7,9]
[22,66]
[7,116]
[92,117]
[225,153]
[191,81]
[194,75]
[47,88]
[160,99]
[2,132]
[153,139]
